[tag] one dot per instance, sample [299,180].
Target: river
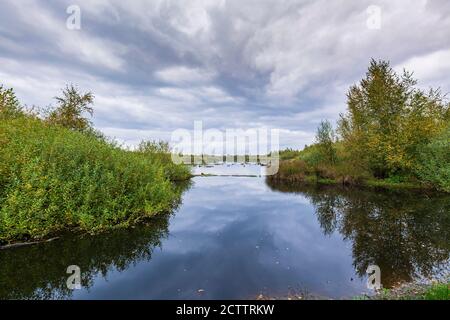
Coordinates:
[239,237]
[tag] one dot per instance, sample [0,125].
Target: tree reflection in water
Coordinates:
[39,272]
[405,233]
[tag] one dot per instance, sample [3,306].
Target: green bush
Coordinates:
[438,292]
[311,164]
[159,152]
[70,110]
[312,155]
[388,118]
[434,162]
[54,179]
[288,154]
[9,105]
[386,138]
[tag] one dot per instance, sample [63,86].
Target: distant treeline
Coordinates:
[58,173]
[392,134]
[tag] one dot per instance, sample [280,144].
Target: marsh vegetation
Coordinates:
[58,173]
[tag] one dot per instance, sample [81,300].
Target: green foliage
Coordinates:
[411,291]
[288,154]
[71,109]
[392,135]
[325,139]
[295,169]
[308,166]
[54,179]
[434,161]
[438,292]
[388,119]
[9,105]
[159,152]
[312,155]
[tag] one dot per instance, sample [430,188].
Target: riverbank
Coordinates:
[408,291]
[293,171]
[413,291]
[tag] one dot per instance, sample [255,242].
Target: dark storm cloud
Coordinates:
[158,65]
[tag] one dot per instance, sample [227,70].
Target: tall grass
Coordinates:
[54,179]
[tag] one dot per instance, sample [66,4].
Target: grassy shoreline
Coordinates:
[374,184]
[290,172]
[413,291]
[407,291]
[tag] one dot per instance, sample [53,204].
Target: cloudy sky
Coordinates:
[159,65]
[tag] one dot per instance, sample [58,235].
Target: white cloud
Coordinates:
[184,75]
[158,65]
[79,45]
[428,67]
[93,51]
[178,94]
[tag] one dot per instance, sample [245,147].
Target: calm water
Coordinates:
[238,237]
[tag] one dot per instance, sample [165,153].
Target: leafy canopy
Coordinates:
[325,139]
[388,119]
[71,109]
[9,105]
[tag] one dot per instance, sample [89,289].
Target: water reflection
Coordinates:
[407,234]
[235,238]
[38,272]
